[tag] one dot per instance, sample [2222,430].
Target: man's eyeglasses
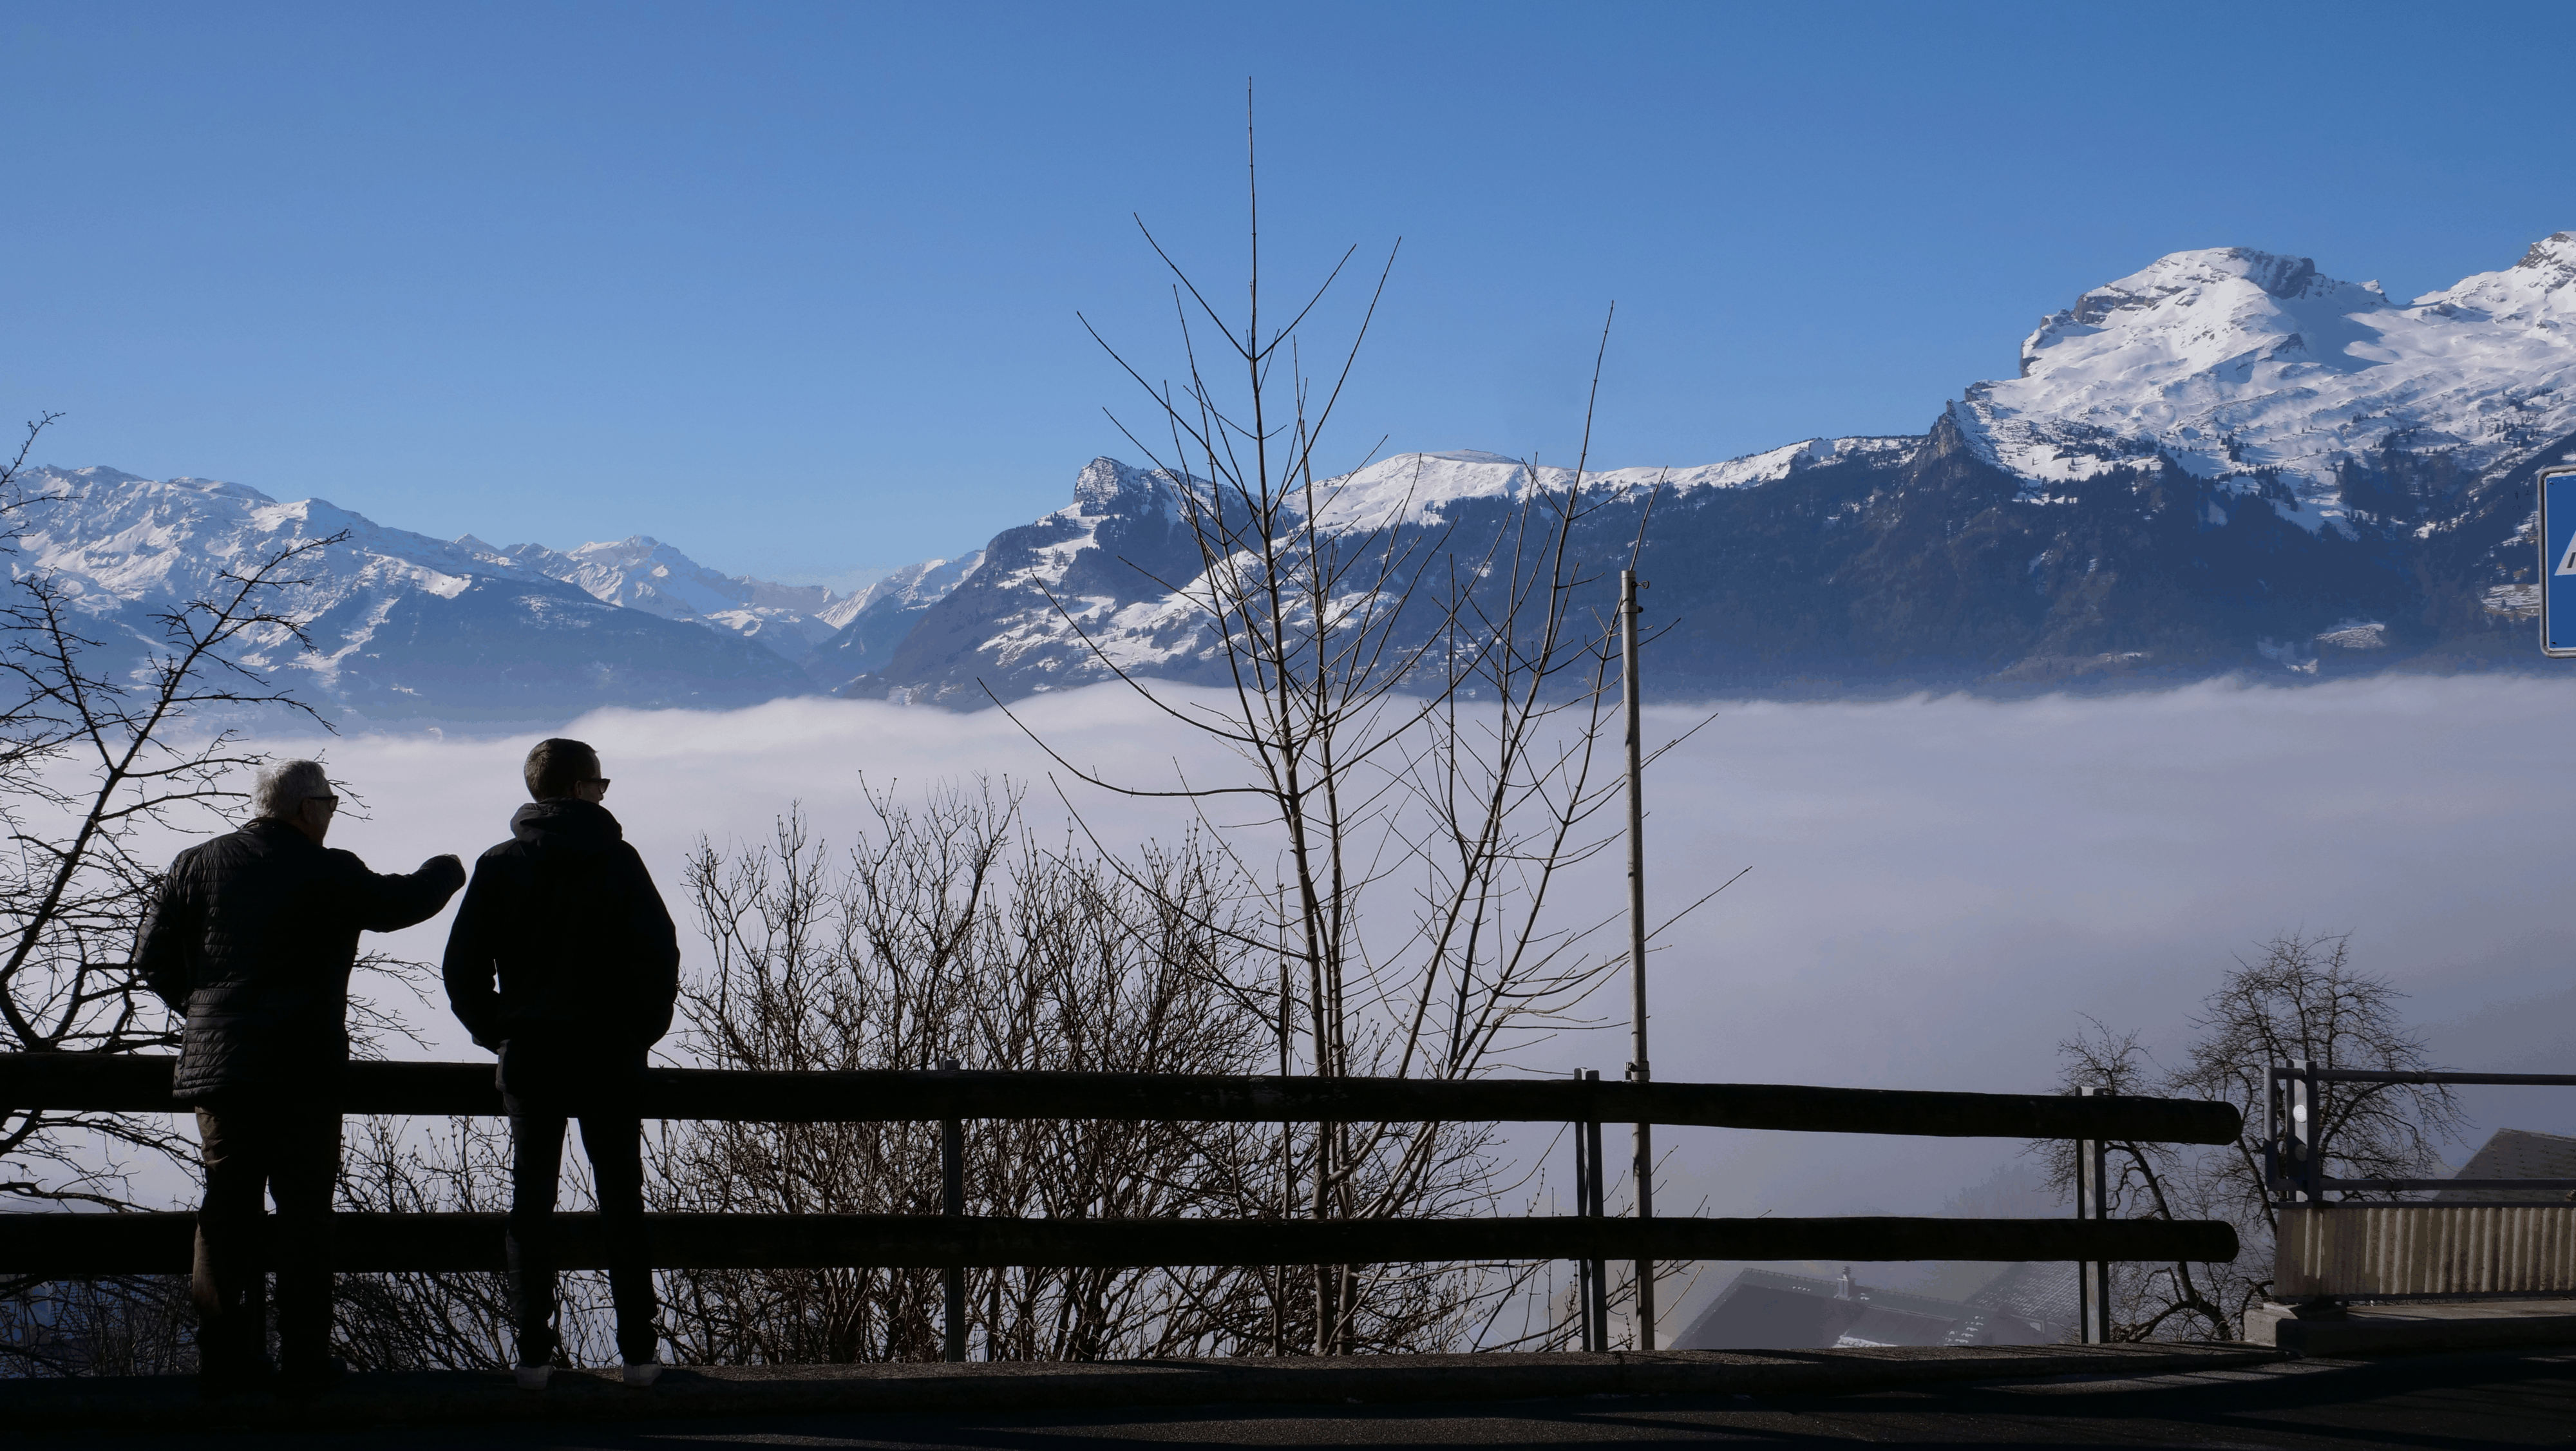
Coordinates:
[599,781]
[329,803]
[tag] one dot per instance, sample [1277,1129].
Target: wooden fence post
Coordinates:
[952,1183]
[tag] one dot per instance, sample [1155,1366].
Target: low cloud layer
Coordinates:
[1940,888]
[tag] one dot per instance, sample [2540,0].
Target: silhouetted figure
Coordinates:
[251,937]
[565,917]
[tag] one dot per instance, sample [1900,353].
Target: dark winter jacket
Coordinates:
[252,936]
[565,917]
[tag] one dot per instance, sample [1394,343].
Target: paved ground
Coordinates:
[2420,1403]
[2404,1327]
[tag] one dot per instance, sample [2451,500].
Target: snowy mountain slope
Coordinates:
[877,618]
[642,573]
[1875,572]
[1096,557]
[1105,580]
[404,626]
[1414,488]
[2249,368]
[2225,462]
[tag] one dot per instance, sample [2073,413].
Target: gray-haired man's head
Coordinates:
[298,793]
[283,786]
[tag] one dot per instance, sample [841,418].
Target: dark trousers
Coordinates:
[541,1100]
[291,1152]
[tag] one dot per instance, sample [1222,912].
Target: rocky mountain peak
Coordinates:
[1106,486]
[2234,362]
[633,549]
[2182,272]
[2551,262]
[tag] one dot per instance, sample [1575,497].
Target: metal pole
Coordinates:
[2307,1159]
[952,1175]
[2307,1151]
[2272,1155]
[1639,1070]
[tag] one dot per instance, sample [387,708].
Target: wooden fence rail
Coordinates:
[74,1245]
[142,1085]
[70,1245]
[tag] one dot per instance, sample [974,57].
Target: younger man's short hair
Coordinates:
[556,765]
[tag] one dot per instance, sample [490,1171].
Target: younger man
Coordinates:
[565,916]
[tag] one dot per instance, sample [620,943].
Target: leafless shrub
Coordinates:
[114,1325]
[441,1320]
[947,933]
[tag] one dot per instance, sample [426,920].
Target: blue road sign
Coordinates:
[2558,563]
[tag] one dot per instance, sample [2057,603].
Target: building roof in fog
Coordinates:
[2037,1292]
[2516,1154]
[1769,1310]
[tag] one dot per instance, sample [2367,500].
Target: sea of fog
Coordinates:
[1941,889]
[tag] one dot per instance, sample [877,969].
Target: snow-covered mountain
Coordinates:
[406,627]
[642,573]
[2254,370]
[2225,462]
[1416,488]
[1105,580]
[876,619]
[834,636]
[1093,560]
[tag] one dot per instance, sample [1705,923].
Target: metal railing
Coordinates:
[2331,1247]
[72,1245]
[2294,1149]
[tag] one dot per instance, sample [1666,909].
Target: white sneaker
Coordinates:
[533,1377]
[643,1373]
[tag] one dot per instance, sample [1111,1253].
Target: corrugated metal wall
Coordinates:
[2425,1249]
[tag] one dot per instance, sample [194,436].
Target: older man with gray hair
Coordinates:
[251,938]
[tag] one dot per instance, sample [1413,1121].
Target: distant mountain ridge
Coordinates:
[414,630]
[407,629]
[2224,463]
[642,573]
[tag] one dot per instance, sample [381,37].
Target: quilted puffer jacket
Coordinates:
[565,918]
[252,936]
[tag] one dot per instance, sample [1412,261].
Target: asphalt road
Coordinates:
[2419,1403]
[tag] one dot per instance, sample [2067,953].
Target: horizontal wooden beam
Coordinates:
[142,1085]
[77,1245]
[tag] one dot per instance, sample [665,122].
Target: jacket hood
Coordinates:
[565,822]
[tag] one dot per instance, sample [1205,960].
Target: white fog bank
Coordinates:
[1940,888]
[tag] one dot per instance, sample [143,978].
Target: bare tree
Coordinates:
[1416,695]
[2300,998]
[96,745]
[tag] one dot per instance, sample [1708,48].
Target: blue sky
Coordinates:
[794,287]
